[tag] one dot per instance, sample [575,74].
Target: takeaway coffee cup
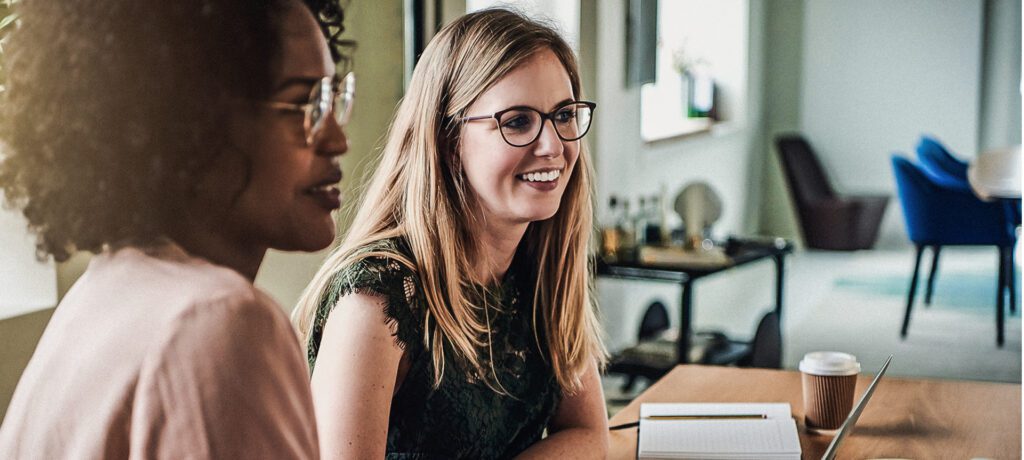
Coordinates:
[829,379]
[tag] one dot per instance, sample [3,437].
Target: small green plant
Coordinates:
[684,61]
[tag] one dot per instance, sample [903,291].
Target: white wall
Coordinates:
[564,13]
[876,75]
[626,166]
[26,284]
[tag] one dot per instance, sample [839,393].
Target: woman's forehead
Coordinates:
[304,51]
[540,82]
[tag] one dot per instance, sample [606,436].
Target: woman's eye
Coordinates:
[517,122]
[565,116]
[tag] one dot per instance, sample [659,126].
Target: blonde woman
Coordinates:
[456,320]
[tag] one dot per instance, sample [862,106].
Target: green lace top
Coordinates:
[463,417]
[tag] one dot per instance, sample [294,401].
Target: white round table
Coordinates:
[996,174]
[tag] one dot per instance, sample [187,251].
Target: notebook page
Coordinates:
[719,436]
[772,437]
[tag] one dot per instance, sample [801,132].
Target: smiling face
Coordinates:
[292,186]
[519,185]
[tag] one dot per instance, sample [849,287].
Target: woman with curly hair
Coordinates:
[178,141]
[456,319]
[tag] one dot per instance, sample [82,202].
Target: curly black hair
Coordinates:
[331,16]
[113,108]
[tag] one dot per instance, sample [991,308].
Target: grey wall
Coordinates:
[874,75]
[783,51]
[1000,123]
[378,29]
[877,74]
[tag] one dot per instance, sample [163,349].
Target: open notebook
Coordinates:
[765,431]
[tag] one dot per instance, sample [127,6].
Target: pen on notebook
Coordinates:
[705,417]
[691,417]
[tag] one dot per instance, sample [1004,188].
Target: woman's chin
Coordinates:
[539,214]
[313,240]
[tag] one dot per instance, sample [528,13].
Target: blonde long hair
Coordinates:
[418,193]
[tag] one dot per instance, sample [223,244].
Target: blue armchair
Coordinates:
[950,171]
[937,160]
[937,215]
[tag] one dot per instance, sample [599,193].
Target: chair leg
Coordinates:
[630,382]
[1000,295]
[913,290]
[1011,281]
[931,275]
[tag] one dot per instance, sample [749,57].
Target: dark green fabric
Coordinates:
[463,417]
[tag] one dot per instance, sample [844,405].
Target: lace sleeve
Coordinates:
[379,276]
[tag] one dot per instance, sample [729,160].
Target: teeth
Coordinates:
[541,176]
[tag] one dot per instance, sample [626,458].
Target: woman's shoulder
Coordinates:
[242,313]
[384,268]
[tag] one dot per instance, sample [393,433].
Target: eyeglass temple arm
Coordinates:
[481,117]
[286,106]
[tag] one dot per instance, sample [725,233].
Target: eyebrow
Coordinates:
[557,104]
[564,101]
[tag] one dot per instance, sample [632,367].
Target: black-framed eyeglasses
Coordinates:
[521,126]
[324,99]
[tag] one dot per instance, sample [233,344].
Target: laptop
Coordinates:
[847,426]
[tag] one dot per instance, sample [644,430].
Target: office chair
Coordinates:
[764,351]
[651,357]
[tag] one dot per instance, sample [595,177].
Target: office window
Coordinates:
[701,75]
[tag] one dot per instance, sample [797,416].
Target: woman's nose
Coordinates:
[548,144]
[331,140]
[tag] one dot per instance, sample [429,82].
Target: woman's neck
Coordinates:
[496,248]
[220,248]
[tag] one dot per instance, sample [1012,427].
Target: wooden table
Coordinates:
[908,418]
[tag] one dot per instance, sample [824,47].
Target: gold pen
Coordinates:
[691,417]
[707,417]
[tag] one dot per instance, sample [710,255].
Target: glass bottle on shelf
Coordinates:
[652,230]
[610,231]
[627,233]
[640,222]
[666,233]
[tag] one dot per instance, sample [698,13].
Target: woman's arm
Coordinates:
[579,428]
[354,379]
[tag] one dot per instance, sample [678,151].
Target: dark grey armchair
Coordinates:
[828,220]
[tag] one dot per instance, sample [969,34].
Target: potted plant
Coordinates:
[696,83]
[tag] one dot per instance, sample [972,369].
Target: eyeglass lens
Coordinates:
[521,127]
[323,99]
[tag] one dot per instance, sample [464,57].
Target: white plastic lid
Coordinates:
[829,363]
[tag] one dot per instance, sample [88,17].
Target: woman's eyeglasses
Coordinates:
[521,126]
[324,99]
